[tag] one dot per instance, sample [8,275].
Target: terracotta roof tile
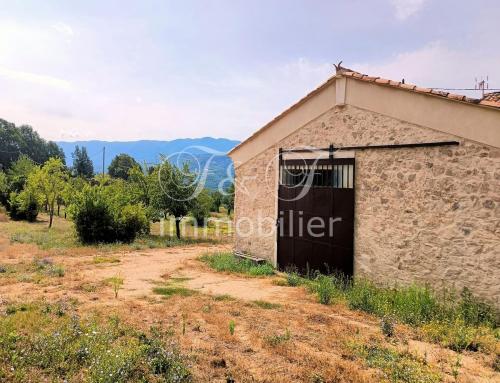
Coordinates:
[491,99]
[407,86]
[423,90]
[381,80]
[439,92]
[458,97]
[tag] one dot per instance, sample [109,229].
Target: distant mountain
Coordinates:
[197,152]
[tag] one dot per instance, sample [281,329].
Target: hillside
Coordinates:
[148,152]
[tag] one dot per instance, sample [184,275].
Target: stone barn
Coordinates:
[376,178]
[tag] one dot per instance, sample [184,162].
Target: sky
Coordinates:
[127,70]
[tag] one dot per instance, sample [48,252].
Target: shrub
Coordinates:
[104,217]
[23,206]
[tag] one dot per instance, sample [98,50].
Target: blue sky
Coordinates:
[126,70]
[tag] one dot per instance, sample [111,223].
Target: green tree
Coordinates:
[121,166]
[201,207]
[49,182]
[16,141]
[18,173]
[228,199]
[173,192]
[82,165]
[71,190]
[4,188]
[217,200]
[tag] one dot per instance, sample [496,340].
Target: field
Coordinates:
[162,309]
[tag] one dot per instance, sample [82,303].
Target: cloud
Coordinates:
[437,65]
[406,8]
[35,78]
[63,28]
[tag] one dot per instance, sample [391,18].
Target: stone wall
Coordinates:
[421,214]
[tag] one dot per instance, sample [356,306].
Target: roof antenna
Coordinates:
[482,85]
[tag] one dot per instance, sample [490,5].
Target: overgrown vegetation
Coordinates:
[458,321]
[42,342]
[105,209]
[227,262]
[396,366]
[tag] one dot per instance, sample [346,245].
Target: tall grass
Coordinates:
[459,321]
[227,262]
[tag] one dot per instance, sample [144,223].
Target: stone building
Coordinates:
[409,176]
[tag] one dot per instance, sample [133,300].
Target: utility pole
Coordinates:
[103,158]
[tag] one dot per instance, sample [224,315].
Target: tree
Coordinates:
[82,165]
[18,173]
[173,192]
[4,188]
[201,207]
[228,199]
[121,166]
[49,182]
[217,200]
[71,190]
[23,140]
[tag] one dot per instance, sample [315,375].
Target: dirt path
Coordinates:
[144,270]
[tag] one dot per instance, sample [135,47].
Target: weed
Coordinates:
[458,336]
[39,344]
[105,259]
[387,326]
[266,305]
[397,367]
[455,368]
[277,339]
[232,326]
[496,363]
[169,291]
[184,317]
[280,282]
[206,309]
[459,322]
[88,287]
[325,289]
[223,297]
[116,283]
[47,267]
[227,262]
[293,279]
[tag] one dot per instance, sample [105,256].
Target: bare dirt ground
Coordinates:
[297,340]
